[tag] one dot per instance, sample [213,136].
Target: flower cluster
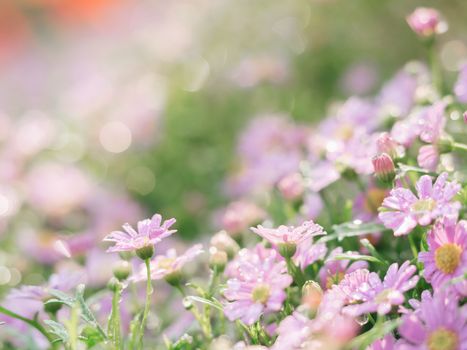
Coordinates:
[350,234]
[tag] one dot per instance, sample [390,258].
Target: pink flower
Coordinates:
[428,157]
[246,256]
[239,215]
[402,210]
[460,89]
[425,21]
[169,264]
[333,270]
[386,144]
[293,331]
[257,289]
[291,186]
[309,252]
[384,167]
[438,324]
[380,296]
[398,95]
[447,254]
[386,343]
[150,232]
[289,234]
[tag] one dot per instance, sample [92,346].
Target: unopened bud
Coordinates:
[122,270]
[217,259]
[291,186]
[386,144]
[52,307]
[113,284]
[223,241]
[384,168]
[426,22]
[312,295]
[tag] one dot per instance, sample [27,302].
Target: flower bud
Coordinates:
[52,307]
[291,186]
[312,294]
[384,168]
[222,241]
[217,259]
[386,144]
[122,270]
[426,22]
[113,284]
[287,250]
[145,252]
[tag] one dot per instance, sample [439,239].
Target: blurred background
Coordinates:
[111,110]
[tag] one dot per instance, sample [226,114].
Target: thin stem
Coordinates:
[413,246]
[114,327]
[73,327]
[434,66]
[295,272]
[32,323]
[457,146]
[149,291]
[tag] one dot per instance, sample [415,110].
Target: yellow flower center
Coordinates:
[165,263]
[373,200]
[345,132]
[261,293]
[424,205]
[447,257]
[334,279]
[443,339]
[383,296]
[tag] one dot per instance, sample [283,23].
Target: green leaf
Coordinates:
[91,336]
[86,313]
[377,332]
[214,302]
[352,229]
[59,330]
[356,256]
[61,297]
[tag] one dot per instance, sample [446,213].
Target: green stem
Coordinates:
[457,146]
[73,327]
[413,246]
[295,272]
[149,291]
[114,326]
[32,323]
[434,66]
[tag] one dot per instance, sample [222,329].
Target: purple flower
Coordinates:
[447,254]
[402,210]
[257,289]
[333,270]
[289,234]
[428,157]
[246,256]
[309,252]
[438,324]
[293,331]
[398,95]
[460,89]
[380,296]
[169,264]
[386,343]
[150,232]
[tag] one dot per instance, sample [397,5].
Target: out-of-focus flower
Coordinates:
[246,256]
[438,324]
[425,21]
[460,89]
[386,343]
[291,186]
[286,238]
[240,215]
[168,266]
[447,254]
[334,270]
[386,144]
[398,95]
[223,242]
[150,232]
[359,79]
[384,168]
[257,289]
[403,210]
[428,157]
[380,296]
[292,332]
[312,295]
[57,189]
